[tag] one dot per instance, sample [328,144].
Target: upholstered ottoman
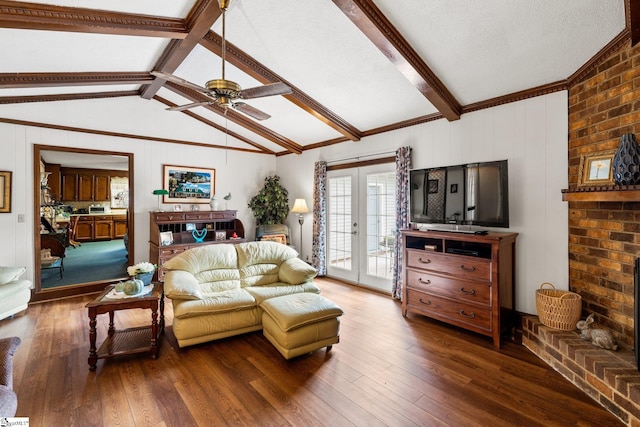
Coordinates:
[300,323]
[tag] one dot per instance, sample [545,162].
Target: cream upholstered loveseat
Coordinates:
[216,290]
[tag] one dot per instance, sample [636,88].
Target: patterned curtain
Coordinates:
[403,160]
[319,246]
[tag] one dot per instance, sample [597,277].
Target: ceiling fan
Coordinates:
[226,93]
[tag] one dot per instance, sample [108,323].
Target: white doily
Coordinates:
[121,295]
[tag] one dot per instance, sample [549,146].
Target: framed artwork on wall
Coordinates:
[188,184]
[5,191]
[596,169]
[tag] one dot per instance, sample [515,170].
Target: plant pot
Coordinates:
[626,161]
[145,277]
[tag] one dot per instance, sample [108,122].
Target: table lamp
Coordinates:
[300,207]
[159,193]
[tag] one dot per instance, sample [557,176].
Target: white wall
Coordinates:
[531,134]
[240,173]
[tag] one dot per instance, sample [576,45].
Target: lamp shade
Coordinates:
[160,192]
[300,206]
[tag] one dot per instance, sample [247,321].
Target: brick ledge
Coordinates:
[610,378]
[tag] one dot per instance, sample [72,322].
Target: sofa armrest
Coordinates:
[294,271]
[180,284]
[8,347]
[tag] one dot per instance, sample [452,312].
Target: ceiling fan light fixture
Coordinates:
[224,4]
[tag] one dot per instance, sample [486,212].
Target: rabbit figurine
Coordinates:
[598,336]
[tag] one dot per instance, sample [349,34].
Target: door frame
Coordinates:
[39,294]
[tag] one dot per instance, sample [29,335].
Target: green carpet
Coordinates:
[89,262]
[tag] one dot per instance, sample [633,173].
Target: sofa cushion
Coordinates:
[259,262]
[295,271]
[9,274]
[204,258]
[263,252]
[179,284]
[220,302]
[261,293]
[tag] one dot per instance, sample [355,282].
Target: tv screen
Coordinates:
[471,194]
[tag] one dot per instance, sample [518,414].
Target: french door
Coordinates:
[361,225]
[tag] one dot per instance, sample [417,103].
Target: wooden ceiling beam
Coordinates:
[200,19]
[24,80]
[237,118]
[373,24]
[214,125]
[247,64]
[34,16]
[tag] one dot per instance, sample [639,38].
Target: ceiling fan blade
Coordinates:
[187,106]
[178,80]
[266,90]
[250,111]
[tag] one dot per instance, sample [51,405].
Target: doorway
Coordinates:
[361,225]
[82,200]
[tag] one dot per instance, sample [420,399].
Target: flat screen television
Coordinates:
[471,194]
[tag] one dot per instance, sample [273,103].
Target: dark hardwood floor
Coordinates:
[386,370]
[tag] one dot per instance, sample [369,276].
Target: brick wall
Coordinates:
[604,237]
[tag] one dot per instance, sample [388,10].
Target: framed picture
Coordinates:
[221,235]
[189,227]
[454,188]
[596,169]
[5,191]
[188,185]
[177,208]
[433,186]
[195,208]
[166,238]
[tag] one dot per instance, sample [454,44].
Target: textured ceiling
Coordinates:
[478,49]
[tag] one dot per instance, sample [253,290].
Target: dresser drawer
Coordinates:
[458,313]
[172,251]
[478,292]
[463,267]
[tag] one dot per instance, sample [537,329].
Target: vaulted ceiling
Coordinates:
[356,67]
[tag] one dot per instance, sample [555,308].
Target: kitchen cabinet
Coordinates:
[119,226]
[84,229]
[85,187]
[88,185]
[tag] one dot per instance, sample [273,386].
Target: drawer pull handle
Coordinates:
[425,302]
[472,268]
[427,261]
[470,316]
[423,281]
[174,251]
[471,292]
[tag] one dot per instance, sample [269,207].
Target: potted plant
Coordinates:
[271,204]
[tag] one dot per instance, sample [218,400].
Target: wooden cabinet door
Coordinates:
[85,187]
[101,184]
[119,228]
[103,229]
[84,229]
[69,187]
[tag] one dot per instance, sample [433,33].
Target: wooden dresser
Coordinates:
[220,227]
[466,280]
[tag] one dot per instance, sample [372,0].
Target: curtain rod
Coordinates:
[360,157]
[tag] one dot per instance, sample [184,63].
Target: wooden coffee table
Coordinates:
[126,341]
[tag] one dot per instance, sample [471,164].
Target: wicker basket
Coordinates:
[558,309]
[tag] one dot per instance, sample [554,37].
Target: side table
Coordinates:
[126,341]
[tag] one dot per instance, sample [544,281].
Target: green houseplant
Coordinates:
[271,204]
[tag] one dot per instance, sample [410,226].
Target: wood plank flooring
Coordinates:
[386,371]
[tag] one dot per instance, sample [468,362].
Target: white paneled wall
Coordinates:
[149,156]
[531,134]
